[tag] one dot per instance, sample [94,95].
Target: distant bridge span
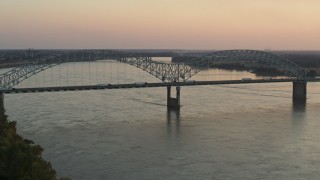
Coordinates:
[163,71]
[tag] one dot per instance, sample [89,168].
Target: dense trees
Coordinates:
[312,73]
[306,59]
[20,158]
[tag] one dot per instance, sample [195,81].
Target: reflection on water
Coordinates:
[298,115]
[299,106]
[173,115]
[173,121]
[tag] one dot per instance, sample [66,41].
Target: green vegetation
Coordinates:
[310,60]
[20,158]
[312,73]
[303,59]
[258,69]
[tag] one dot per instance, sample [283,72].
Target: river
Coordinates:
[249,131]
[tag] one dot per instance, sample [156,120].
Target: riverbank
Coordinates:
[11,65]
[20,158]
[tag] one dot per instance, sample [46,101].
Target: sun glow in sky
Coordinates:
[165,24]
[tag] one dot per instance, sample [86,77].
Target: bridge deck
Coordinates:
[146,85]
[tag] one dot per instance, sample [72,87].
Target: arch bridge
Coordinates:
[168,73]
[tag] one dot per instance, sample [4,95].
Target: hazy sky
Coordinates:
[166,24]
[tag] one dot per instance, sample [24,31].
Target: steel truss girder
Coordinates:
[163,71]
[290,68]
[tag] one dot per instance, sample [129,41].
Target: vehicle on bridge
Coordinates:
[140,83]
[103,84]
[267,78]
[190,81]
[246,79]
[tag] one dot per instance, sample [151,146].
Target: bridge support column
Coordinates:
[173,103]
[299,92]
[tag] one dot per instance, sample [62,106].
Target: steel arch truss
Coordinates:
[163,71]
[290,68]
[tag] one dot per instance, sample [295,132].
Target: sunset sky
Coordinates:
[161,24]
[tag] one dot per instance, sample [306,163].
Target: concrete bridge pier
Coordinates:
[299,92]
[173,103]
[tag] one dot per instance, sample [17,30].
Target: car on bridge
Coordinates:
[140,83]
[190,81]
[246,79]
[103,84]
[267,78]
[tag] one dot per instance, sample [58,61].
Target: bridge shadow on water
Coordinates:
[299,106]
[173,121]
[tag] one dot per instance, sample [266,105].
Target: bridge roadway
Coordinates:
[148,85]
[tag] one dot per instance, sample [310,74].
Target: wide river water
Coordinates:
[221,132]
